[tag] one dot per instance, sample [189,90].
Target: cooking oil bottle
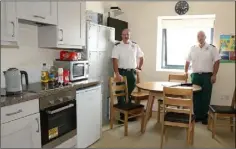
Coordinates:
[44,74]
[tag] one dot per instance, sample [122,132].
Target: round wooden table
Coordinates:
[156,90]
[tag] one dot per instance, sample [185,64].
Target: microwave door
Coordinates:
[78,71]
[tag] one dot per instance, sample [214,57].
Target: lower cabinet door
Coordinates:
[22,133]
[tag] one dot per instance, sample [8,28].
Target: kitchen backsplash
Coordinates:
[28,56]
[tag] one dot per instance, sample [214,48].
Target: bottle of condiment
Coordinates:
[44,74]
[66,79]
[60,76]
[52,74]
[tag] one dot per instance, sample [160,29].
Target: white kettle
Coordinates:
[13,80]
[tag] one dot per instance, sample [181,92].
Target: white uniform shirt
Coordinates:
[203,59]
[127,54]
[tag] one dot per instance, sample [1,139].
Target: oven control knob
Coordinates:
[60,99]
[51,101]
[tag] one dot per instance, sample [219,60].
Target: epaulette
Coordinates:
[134,42]
[117,43]
[212,45]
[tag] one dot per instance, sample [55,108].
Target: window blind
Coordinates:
[188,23]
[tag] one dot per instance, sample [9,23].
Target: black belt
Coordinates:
[121,69]
[203,73]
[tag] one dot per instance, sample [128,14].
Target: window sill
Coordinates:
[172,70]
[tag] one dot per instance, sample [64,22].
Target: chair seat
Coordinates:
[222,109]
[127,107]
[178,117]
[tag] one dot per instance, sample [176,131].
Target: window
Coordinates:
[178,35]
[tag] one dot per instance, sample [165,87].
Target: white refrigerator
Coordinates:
[89,116]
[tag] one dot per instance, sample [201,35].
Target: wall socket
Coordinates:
[224,97]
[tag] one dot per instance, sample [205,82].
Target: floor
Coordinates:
[151,138]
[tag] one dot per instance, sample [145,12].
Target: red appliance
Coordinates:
[66,76]
[69,56]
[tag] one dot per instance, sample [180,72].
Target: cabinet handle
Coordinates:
[13,24]
[13,113]
[61,34]
[36,16]
[37,120]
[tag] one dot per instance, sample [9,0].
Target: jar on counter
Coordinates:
[66,77]
[60,76]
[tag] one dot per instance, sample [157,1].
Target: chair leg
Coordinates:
[142,121]
[111,118]
[188,132]
[126,124]
[231,124]
[151,109]
[209,122]
[159,112]
[192,133]
[213,125]
[163,129]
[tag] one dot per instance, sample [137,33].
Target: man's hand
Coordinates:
[213,79]
[118,78]
[186,74]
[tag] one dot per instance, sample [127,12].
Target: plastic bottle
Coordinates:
[60,76]
[44,74]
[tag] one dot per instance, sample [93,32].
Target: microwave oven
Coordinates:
[78,69]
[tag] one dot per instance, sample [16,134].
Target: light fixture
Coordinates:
[116,11]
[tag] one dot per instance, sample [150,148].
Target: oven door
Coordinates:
[58,120]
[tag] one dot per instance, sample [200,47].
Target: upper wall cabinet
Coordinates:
[9,23]
[43,12]
[70,30]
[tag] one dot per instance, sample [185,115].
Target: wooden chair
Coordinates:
[138,95]
[172,77]
[222,112]
[175,116]
[129,110]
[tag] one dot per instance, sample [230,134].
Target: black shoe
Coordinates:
[204,122]
[198,120]
[132,119]
[120,122]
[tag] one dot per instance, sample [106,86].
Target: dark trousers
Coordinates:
[202,98]
[131,82]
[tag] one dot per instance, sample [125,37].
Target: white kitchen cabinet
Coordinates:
[99,37]
[9,23]
[41,12]
[70,30]
[22,133]
[92,33]
[20,125]
[88,127]
[100,43]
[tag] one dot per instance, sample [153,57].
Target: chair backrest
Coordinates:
[118,89]
[177,77]
[178,97]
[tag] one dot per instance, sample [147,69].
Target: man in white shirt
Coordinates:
[124,56]
[205,60]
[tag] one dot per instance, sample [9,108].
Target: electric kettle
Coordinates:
[13,80]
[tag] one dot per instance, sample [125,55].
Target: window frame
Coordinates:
[164,50]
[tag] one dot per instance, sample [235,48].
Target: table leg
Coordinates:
[148,109]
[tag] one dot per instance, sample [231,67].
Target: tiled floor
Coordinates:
[151,138]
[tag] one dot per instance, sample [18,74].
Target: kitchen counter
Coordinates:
[37,90]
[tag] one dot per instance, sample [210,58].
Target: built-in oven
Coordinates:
[78,69]
[58,115]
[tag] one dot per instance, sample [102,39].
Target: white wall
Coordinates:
[142,18]
[28,56]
